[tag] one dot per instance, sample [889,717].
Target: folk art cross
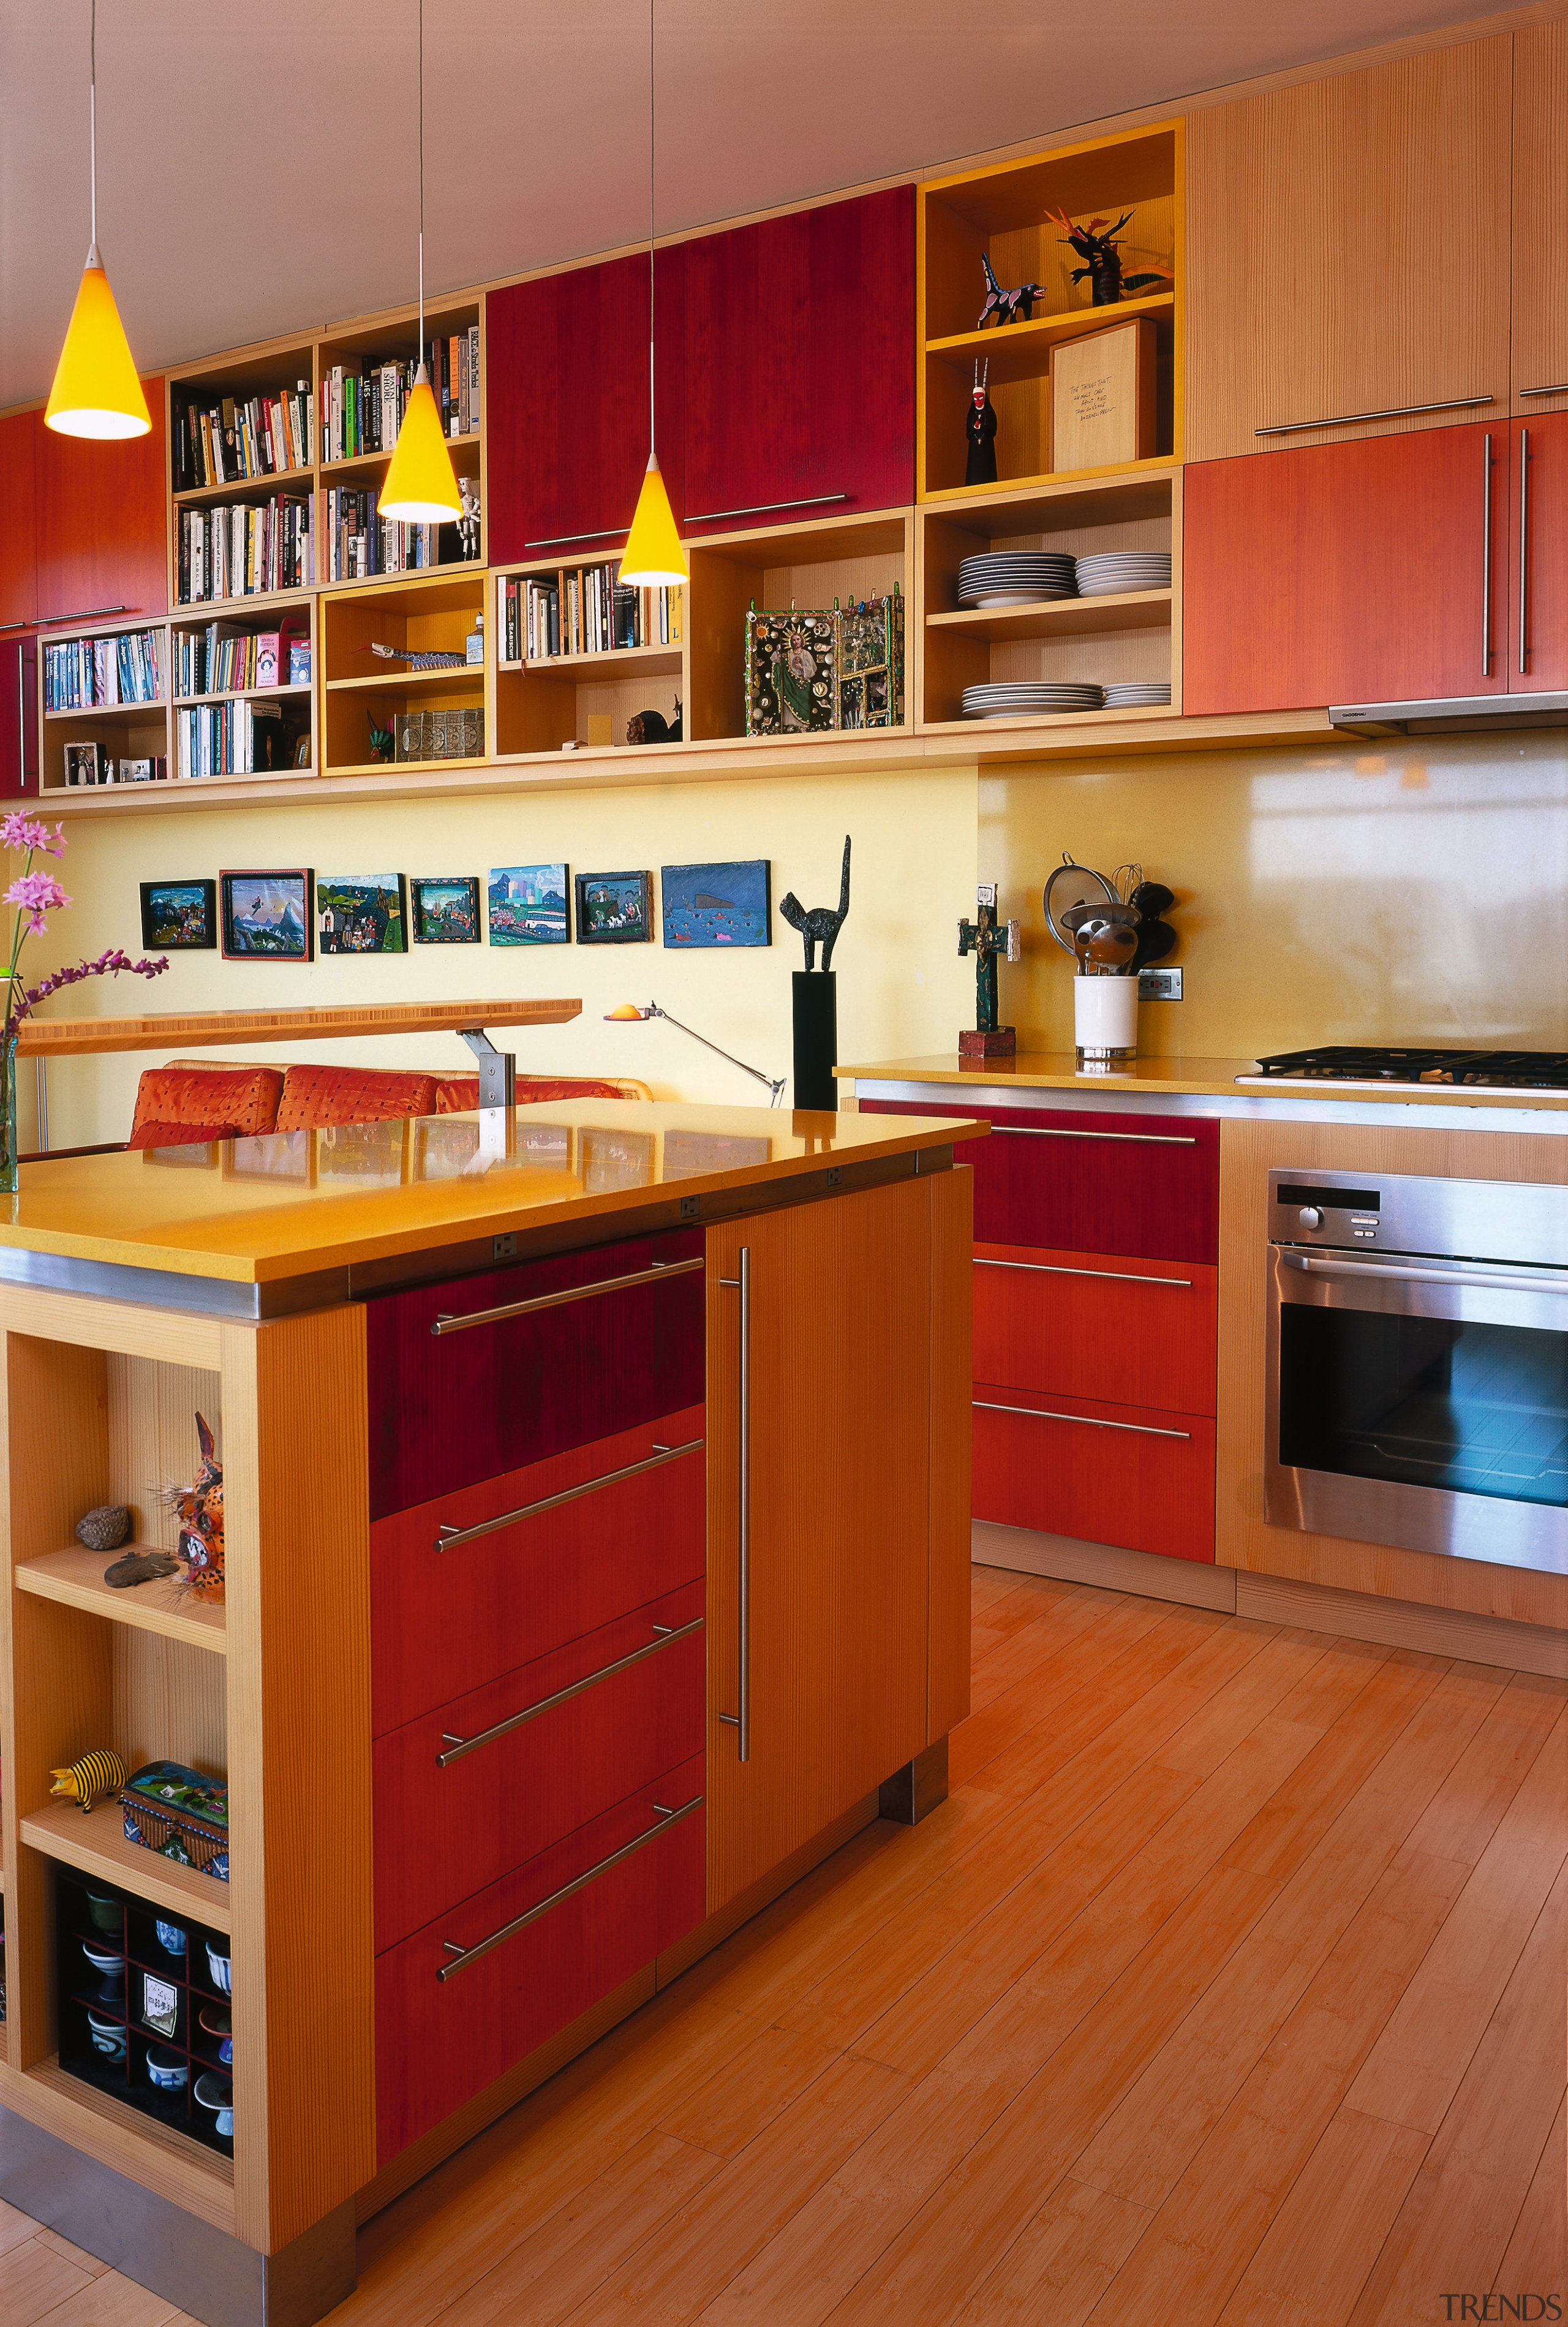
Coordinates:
[988,941]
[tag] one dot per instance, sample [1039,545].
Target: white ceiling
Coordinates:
[256,163]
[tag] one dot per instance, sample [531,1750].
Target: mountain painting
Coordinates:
[715,904]
[266,916]
[529,905]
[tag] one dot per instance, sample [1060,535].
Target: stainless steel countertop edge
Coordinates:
[1423,1114]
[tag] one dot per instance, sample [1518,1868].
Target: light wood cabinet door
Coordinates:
[834,1422]
[1348,253]
[1540,354]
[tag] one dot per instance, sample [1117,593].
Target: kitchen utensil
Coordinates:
[1155,940]
[1113,947]
[1124,880]
[1153,898]
[1068,886]
[1078,917]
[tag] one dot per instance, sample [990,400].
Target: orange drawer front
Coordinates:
[1080,1326]
[1138,1476]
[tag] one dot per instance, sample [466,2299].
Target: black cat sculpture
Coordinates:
[821,925]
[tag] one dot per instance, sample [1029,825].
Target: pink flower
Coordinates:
[22,831]
[36,894]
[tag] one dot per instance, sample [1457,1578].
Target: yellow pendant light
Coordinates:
[653,557]
[96,391]
[421,485]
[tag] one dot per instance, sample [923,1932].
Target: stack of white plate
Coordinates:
[1030,698]
[1115,571]
[1017,577]
[1128,694]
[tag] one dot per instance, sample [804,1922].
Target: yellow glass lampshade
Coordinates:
[421,487]
[626,1009]
[96,391]
[653,556]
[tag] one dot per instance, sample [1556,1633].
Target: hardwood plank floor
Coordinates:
[1229,1986]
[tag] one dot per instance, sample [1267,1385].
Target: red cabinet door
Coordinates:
[102,521]
[1539,553]
[1373,571]
[799,365]
[1137,1333]
[1135,1476]
[567,406]
[19,716]
[18,539]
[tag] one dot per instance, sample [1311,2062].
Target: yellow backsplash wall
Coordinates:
[900,984]
[1383,892]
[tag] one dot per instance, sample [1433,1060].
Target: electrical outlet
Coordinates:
[689,1207]
[503,1247]
[1159,985]
[834,1177]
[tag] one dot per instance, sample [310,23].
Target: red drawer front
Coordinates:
[444,1622]
[1143,1184]
[442,1834]
[438,2044]
[449,1408]
[1147,1483]
[1134,1332]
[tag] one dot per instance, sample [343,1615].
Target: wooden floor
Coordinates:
[1229,1985]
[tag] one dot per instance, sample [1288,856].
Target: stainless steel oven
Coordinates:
[1418,1364]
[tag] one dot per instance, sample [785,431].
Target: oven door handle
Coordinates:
[1489,1280]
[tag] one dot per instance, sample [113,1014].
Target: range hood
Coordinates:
[1449,715]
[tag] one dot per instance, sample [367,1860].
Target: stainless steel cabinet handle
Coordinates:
[1487,554]
[1524,546]
[743,1720]
[1550,1281]
[1390,412]
[1089,1420]
[21,724]
[83,614]
[447,1323]
[553,540]
[447,1538]
[458,1746]
[465,1955]
[762,509]
[1117,1276]
[1142,1138]
[1559,388]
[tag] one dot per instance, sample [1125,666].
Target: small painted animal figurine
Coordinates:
[92,1775]
[381,740]
[1007,306]
[821,925]
[200,1509]
[1101,254]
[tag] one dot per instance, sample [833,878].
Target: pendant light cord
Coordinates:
[421,356]
[92,121]
[651,431]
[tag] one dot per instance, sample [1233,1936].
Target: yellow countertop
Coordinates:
[258,1210]
[1189,1078]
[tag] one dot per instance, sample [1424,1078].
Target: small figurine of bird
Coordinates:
[381,739]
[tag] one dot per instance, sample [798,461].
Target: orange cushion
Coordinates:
[459,1094]
[313,1096]
[240,1101]
[181,1134]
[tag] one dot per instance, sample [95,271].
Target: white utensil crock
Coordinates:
[1104,1019]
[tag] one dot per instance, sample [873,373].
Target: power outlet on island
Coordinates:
[1159,985]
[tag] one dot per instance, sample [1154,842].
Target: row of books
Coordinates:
[79,673]
[223,659]
[238,551]
[230,738]
[360,543]
[231,439]
[583,610]
[362,411]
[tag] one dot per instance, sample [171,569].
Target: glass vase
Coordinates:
[9,1181]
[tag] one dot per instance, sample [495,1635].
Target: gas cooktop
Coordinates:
[1349,1064]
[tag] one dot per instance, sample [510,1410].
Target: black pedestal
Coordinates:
[816,1038]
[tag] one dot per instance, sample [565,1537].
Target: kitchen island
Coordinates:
[597,1504]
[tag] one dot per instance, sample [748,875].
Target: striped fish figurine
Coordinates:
[87,1779]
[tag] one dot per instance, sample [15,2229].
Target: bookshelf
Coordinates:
[415,615]
[251,415]
[351,435]
[586,696]
[136,726]
[230,718]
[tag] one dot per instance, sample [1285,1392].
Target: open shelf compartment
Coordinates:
[360,689]
[586,699]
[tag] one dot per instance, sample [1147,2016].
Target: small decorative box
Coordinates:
[180,1815]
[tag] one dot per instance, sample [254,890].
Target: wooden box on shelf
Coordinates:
[1000,216]
[137,730]
[355,446]
[577,695]
[1134,636]
[362,690]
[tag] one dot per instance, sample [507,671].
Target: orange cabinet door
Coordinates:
[1130,1333]
[1140,1477]
[18,539]
[1538,562]
[103,521]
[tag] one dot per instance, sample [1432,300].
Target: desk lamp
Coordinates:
[628,1011]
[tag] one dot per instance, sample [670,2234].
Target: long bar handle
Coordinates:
[1117,1276]
[1487,554]
[1524,548]
[1554,1281]
[448,1324]
[448,1538]
[1142,1139]
[742,1722]
[1558,387]
[1389,412]
[465,1955]
[1089,1420]
[456,1747]
[765,509]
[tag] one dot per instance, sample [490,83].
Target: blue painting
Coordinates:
[266,916]
[716,904]
[529,905]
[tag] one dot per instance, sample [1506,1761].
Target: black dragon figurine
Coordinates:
[1102,257]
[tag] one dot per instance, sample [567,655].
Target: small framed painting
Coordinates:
[715,904]
[444,912]
[529,905]
[361,912]
[180,916]
[614,907]
[266,916]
